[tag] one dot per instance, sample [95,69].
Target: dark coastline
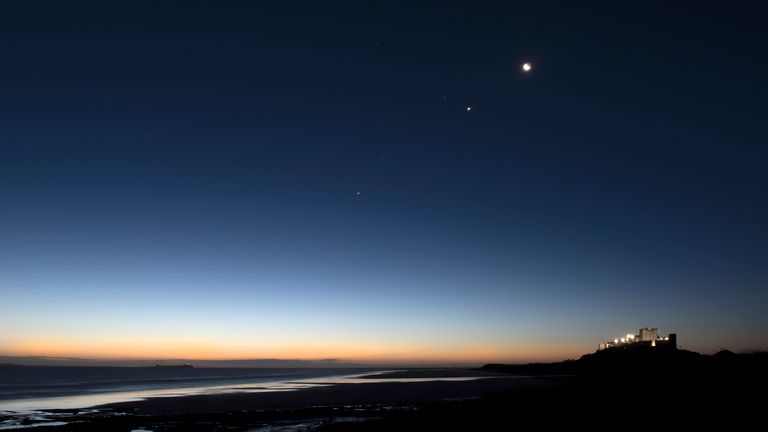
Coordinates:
[676,389]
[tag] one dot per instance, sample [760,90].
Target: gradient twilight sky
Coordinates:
[303,179]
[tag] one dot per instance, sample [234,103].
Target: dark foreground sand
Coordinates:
[395,393]
[343,406]
[494,403]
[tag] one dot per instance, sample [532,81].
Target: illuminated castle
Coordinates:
[647,337]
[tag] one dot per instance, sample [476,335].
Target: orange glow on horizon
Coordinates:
[211,350]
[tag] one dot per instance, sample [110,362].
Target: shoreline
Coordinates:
[373,393]
[437,399]
[356,396]
[89,397]
[92,399]
[343,405]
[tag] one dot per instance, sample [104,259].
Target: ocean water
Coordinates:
[33,389]
[32,396]
[27,388]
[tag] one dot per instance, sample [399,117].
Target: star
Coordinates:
[527,67]
[469,108]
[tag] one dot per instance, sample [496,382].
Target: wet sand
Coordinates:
[395,393]
[692,399]
[318,408]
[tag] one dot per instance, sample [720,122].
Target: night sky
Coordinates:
[250,179]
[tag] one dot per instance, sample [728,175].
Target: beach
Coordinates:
[679,390]
[42,396]
[358,394]
[437,399]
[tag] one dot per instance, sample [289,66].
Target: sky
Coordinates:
[381,181]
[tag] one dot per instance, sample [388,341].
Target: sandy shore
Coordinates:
[395,393]
[436,373]
[690,400]
[318,408]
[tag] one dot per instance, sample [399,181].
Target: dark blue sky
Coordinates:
[304,179]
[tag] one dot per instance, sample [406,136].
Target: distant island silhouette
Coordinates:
[173,366]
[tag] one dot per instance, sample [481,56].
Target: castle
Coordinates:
[646,337]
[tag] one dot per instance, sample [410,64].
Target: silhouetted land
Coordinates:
[604,390]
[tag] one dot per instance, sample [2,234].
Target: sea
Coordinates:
[32,396]
[28,388]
